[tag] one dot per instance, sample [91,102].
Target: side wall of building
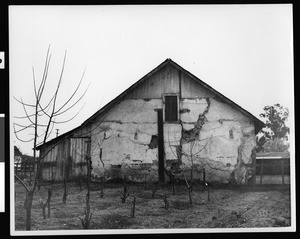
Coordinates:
[65,158]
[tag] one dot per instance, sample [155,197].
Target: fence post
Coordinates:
[282,171]
[25,170]
[261,170]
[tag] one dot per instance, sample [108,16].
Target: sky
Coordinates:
[243,51]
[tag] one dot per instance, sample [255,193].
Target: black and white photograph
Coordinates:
[140,119]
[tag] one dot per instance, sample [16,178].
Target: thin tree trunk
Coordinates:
[102,188]
[49,201]
[190,196]
[65,192]
[208,193]
[133,208]
[29,199]
[166,202]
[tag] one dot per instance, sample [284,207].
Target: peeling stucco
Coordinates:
[129,147]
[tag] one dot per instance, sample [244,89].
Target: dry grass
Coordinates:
[227,208]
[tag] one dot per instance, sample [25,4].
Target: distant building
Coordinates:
[167,119]
[272,163]
[17,157]
[23,163]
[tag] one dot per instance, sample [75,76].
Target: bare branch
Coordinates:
[205,144]
[44,109]
[55,97]
[21,102]
[16,134]
[23,183]
[51,130]
[42,85]
[65,121]
[60,80]
[28,117]
[23,127]
[72,94]
[56,113]
[34,84]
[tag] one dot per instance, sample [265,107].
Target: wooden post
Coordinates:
[208,193]
[49,200]
[204,180]
[64,199]
[43,207]
[102,187]
[161,150]
[173,187]
[166,202]
[261,170]
[190,196]
[282,171]
[253,172]
[133,208]
[125,193]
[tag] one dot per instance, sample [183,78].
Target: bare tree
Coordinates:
[192,156]
[40,118]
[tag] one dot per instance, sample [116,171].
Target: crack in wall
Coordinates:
[240,167]
[100,156]
[193,134]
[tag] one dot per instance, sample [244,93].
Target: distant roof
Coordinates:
[259,124]
[25,158]
[273,155]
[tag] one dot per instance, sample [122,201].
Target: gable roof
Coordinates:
[259,124]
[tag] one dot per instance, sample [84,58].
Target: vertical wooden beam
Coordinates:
[161,151]
[282,171]
[261,170]
[180,80]
[253,157]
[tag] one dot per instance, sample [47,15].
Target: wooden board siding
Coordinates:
[55,161]
[66,159]
[78,150]
[166,81]
[192,89]
[162,82]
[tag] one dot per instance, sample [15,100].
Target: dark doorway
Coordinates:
[161,152]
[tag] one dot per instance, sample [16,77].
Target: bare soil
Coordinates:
[243,207]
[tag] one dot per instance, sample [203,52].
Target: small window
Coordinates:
[230,134]
[171,108]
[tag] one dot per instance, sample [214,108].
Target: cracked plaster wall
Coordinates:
[127,141]
[121,145]
[225,159]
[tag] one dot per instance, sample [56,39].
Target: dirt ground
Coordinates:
[243,207]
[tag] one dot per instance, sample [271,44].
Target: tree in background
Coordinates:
[276,131]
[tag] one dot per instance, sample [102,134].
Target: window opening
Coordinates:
[171,108]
